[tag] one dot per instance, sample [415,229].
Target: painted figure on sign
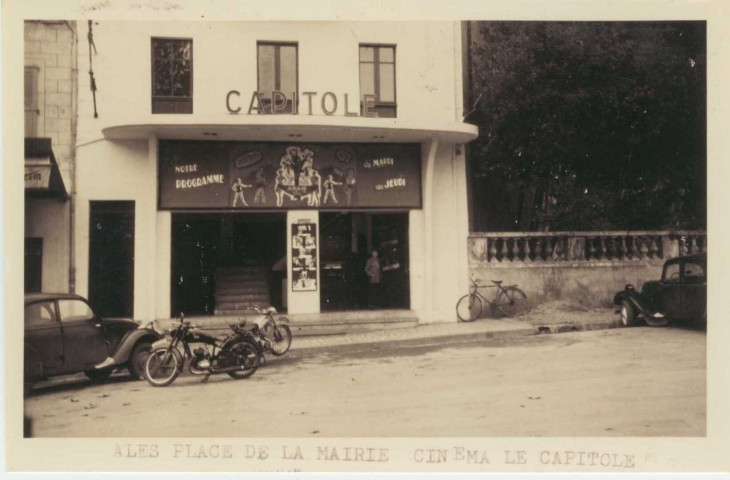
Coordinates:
[315,181]
[260,196]
[350,185]
[329,189]
[238,188]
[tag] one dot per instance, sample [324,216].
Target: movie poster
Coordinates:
[304,257]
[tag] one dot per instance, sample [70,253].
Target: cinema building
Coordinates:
[222,165]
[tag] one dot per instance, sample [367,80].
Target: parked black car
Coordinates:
[681,295]
[63,336]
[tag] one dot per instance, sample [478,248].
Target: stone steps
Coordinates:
[239,289]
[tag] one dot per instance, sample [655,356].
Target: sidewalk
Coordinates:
[544,319]
[529,324]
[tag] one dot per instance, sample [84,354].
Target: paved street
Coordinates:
[620,382]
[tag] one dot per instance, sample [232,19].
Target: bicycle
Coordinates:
[510,300]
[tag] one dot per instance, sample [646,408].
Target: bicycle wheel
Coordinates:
[512,301]
[280,339]
[244,354]
[162,367]
[469,308]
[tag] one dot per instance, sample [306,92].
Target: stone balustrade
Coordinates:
[573,247]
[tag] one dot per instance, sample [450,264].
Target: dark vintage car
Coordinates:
[681,295]
[63,336]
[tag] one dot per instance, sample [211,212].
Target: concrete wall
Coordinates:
[48,218]
[428,73]
[127,170]
[589,283]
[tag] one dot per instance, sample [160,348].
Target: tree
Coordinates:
[589,126]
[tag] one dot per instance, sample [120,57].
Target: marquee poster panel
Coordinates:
[304,257]
[240,176]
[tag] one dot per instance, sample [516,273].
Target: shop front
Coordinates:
[288,224]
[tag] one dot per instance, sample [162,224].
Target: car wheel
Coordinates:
[99,376]
[138,359]
[628,314]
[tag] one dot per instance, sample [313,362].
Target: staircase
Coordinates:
[238,289]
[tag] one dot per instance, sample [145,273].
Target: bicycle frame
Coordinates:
[500,290]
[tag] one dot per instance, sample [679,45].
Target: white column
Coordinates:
[163,266]
[301,301]
[145,234]
[430,148]
[461,232]
[417,262]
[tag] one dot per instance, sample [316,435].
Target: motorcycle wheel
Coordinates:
[280,337]
[162,367]
[246,355]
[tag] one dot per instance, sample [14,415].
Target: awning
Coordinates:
[42,176]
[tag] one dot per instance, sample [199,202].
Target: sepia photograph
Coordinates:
[283,242]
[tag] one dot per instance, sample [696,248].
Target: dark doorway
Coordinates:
[194,260]
[390,239]
[227,261]
[111,258]
[346,242]
[33,264]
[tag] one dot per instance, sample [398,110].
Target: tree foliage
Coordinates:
[589,126]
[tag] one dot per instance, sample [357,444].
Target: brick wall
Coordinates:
[49,49]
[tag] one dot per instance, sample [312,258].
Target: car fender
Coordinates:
[634,299]
[124,349]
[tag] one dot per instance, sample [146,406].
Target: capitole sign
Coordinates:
[328,104]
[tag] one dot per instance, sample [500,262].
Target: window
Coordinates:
[32,110]
[172,75]
[377,80]
[278,72]
[671,272]
[74,310]
[40,314]
[693,273]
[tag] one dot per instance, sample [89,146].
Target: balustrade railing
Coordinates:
[529,247]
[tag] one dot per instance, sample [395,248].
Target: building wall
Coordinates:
[47,218]
[428,85]
[49,47]
[224,59]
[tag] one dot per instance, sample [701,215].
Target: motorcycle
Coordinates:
[237,355]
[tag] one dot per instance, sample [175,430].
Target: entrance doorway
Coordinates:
[33,264]
[225,263]
[111,258]
[347,240]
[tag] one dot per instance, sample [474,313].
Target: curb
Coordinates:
[431,340]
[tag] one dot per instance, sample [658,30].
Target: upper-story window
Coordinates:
[172,75]
[278,76]
[377,79]
[32,109]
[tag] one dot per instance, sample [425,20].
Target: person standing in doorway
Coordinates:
[375,273]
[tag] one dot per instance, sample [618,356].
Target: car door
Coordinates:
[84,340]
[669,299]
[694,290]
[43,341]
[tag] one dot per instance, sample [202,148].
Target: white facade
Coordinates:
[117,155]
